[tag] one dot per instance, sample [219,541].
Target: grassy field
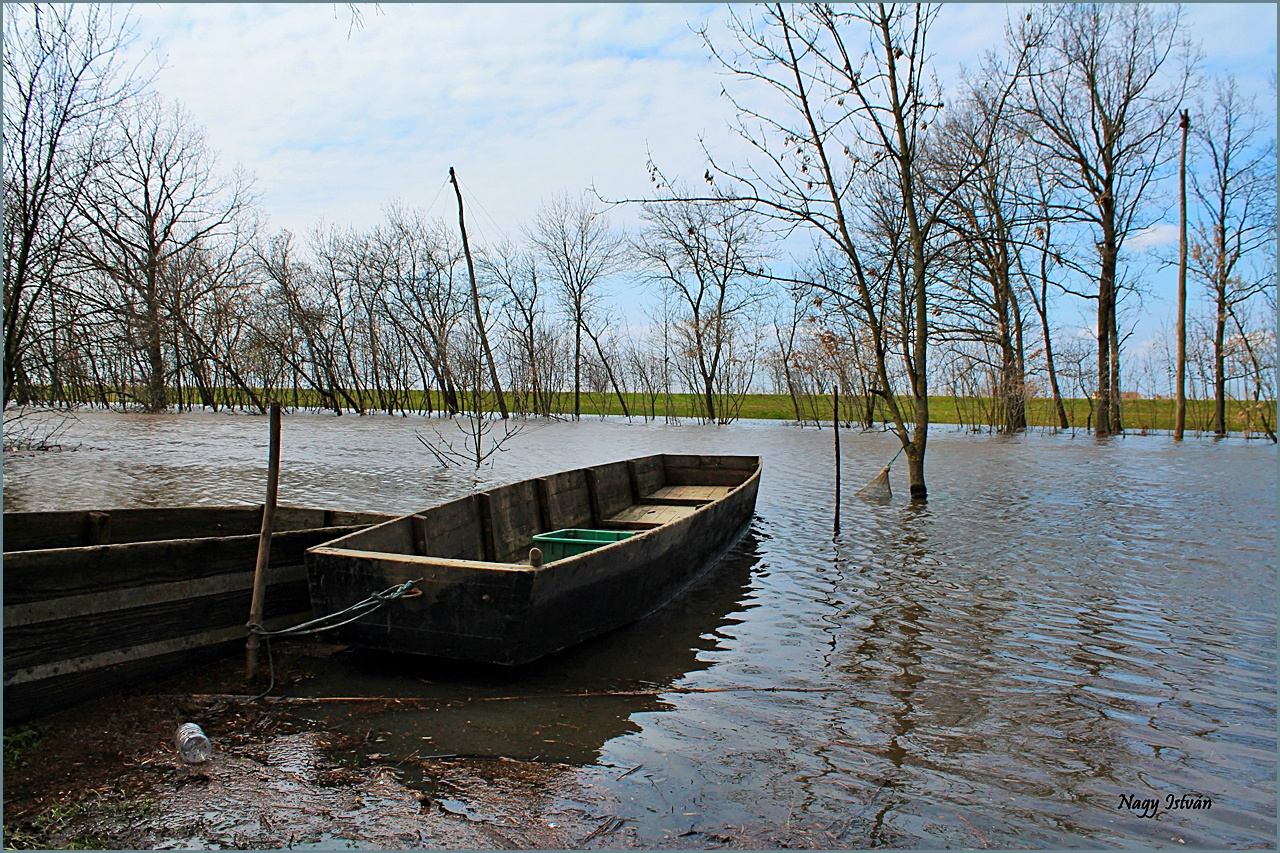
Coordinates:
[1139,415]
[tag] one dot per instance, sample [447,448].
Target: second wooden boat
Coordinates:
[99,600]
[483,598]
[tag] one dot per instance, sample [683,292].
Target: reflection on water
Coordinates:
[1066,622]
[563,708]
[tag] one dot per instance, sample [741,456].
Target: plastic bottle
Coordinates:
[193,744]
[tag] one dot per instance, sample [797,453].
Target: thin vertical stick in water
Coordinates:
[835,427]
[264,545]
[1180,412]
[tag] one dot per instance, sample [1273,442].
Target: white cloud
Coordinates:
[526,101]
[1154,237]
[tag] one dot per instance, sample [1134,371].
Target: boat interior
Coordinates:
[498,526]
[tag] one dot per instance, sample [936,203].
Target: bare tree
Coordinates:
[856,103]
[157,195]
[64,84]
[515,273]
[426,303]
[1236,190]
[706,255]
[1104,88]
[1041,199]
[580,251]
[987,221]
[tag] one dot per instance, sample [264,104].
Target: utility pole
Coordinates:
[475,301]
[1180,419]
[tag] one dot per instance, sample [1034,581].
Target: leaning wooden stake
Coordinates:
[264,545]
[835,428]
[475,302]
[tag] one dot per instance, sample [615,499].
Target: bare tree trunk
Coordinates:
[157,399]
[1220,354]
[1103,424]
[577,367]
[609,371]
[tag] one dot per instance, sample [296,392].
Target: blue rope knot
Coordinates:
[315,626]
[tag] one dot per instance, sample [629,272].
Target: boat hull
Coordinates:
[99,601]
[512,613]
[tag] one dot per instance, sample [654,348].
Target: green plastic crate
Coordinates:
[559,544]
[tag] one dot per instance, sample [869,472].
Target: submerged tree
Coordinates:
[64,85]
[157,196]
[580,251]
[1236,189]
[841,138]
[706,256]
[1103,93]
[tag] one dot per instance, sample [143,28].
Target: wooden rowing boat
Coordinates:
[96,601]
[483,599]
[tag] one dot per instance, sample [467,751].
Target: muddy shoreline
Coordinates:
[106,774]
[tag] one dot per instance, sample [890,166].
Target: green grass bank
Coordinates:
[1138,415]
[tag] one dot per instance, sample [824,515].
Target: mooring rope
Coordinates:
[369,605]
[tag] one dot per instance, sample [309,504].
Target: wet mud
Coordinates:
[106,774]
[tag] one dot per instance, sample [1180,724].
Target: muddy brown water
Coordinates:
[1068,628]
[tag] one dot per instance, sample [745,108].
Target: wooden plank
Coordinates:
[613,488]
[25,700]
[37,531]
[297,518]
[686,476]
[611,524]
[62,639]
[454,530]
[486,525]
[30,531]
[121,599]
[112,657]
[690,493]
[568,502]
[340,518]
[635,481]
[652,514]
[419,526]
[515,520]
[407,566]
[738,463]
[97,528]
[650,475]
[396,537]
[593,495]
[544,504]
[38,575]
[566,481]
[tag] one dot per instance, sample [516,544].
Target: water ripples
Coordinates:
[1065,622]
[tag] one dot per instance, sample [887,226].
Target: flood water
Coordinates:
[1066,623]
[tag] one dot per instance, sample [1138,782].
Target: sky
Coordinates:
[526,101]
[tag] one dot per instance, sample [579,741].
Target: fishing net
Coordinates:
[878,489]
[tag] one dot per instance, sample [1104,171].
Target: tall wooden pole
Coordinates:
[264,544]
[1180,419]
[835,428]
[475,301]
